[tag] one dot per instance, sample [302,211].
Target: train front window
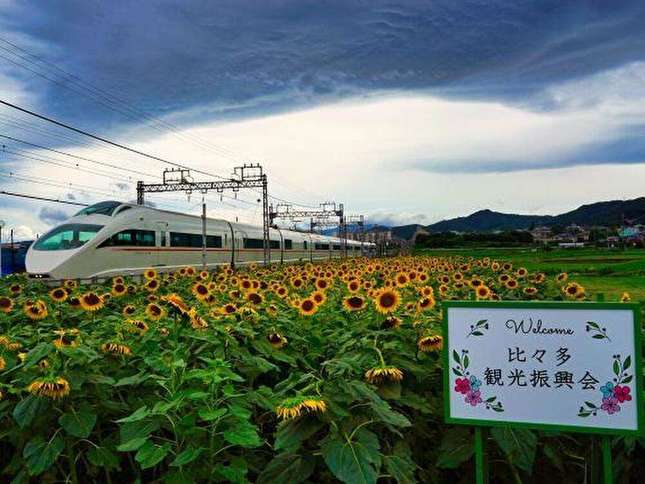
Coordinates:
[101,208]
[67,237]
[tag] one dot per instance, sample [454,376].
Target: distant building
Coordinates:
[541,235]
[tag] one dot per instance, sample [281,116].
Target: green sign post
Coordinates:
[568,366]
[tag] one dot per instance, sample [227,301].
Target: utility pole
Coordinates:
[204,266]
[1,227]
[245,176]
[13,252]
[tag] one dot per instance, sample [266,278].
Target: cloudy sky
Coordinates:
[406,111]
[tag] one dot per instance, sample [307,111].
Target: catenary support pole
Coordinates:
[204,265]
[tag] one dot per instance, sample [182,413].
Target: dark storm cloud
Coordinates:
[241,57]
[219,60]
[52,216]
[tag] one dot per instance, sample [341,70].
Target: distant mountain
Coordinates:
[600,213]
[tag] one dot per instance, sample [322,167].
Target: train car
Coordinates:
[112,238]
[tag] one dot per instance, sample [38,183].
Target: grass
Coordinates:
[606,271]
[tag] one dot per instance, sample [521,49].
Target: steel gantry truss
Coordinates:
[245,176]
[319,217]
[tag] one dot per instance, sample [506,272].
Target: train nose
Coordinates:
[41,264]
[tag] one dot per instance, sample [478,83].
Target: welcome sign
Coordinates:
[572,366]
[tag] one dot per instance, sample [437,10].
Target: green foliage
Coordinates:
[224,403]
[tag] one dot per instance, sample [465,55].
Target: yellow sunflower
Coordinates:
[54,387]
[307,307]
[119,289]
[293,407]
[90,301]
[116,349]
[381,374]
[430,343]
[58,294]
[36,310]
[150,274]
[6,304]
[277,340]
[154,311]
[387,300]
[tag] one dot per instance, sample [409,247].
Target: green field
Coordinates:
[606,271]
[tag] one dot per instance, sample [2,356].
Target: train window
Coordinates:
[322,246]
[122,209]
[254,243]
[336,247]
[274,244]
[131,237]
[194,240]
[288,244]
[214,241]
[68,236]
[102,208]
[304,244]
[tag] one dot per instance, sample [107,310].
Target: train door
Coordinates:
[160,256]
[240,253]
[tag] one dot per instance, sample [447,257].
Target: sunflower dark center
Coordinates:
[307,305]
[387,300]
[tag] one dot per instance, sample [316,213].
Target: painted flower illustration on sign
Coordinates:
[614,393]
[469,385]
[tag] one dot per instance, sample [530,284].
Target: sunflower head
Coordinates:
[119,289]
[430,343]
[200,291]
[150,274]
[6,304]
[277,340]
[154,311]
[36,310]
[254,298]
[573,290]
[387,300]
[137,326]
[319,297]
[58,294]
[391,322]
[53,387]
[293,407]
[482,292]
[382,374]
[307,307]
[152,285]
[116,349]
[90,301]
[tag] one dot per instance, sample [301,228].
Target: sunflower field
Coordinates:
[318,373]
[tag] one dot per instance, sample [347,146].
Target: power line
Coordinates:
[46,199]
[40,147]
[97,94]
[111,98]
[62,164]
[96,137]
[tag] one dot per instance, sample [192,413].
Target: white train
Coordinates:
[112,238]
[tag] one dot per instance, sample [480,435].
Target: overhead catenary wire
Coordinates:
[83,158]
[100,95]
[46,199]
[97,93]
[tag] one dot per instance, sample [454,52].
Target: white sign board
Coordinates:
[574,366]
